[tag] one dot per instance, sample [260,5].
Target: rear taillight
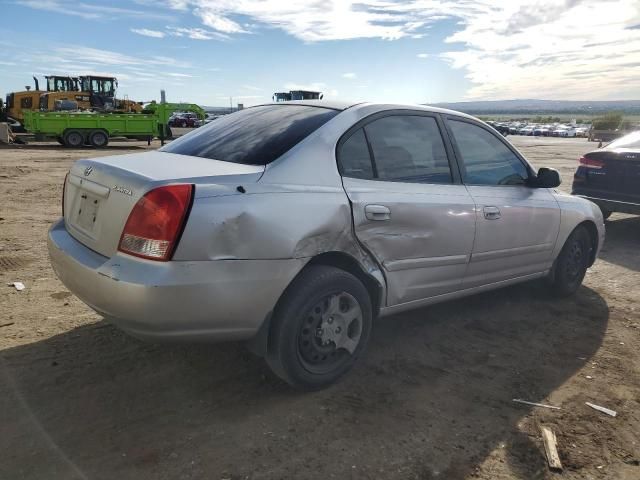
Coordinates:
[64,191]
[156,222]
[591,162]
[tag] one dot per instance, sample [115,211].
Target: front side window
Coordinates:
[408,148]
[253,136]
[485,159]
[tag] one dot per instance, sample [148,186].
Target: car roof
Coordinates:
[344,105]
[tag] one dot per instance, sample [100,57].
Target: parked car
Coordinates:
[294,225]
[541,131]
[526,131]
[500,127]
[184,120]
[210,117]
[610,176]
[564,132]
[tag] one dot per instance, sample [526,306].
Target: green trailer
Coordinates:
[85,128]
[75,129]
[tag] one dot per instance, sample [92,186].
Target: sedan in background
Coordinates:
[294,225]
[610,176]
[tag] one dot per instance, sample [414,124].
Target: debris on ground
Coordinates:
[18,285]
[550,448]
[517,400]
[608,411]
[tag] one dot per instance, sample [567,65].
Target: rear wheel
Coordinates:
[73,139]
[571,265]
[319,328]
[98,139]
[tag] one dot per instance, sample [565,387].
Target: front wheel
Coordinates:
[320,327]
[571,265]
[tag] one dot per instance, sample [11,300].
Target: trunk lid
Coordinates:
[606,176]
[100,193]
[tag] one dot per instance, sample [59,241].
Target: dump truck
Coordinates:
[75,129]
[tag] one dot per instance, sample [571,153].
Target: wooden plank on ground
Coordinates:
[550,448]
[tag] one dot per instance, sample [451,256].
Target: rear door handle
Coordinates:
[377,212]
[491,213]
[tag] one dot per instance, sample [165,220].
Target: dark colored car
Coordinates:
[185,120]
[610,176]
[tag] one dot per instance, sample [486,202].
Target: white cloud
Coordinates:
[58,7]
[251,87]
[86,58]
[9,64]
[90,11]
[422,55]
[349,75]
[521,48]
[180,75]
[148,33]
[569,49]
[312,21]
[196,33]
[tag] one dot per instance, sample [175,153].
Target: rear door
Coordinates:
[409,208]
[517,225]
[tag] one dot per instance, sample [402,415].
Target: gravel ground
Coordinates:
[432,397]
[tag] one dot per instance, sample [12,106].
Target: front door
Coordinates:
[516,225]
[409,209]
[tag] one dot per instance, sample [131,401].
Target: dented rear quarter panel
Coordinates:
[298,209]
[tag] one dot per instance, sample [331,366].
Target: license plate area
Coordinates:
[86,213]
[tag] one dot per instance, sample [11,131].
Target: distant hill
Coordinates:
[631,107]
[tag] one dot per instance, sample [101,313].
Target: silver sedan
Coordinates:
[294,225]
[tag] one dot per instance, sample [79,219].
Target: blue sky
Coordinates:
[416,51]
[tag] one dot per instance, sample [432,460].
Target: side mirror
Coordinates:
[547,178]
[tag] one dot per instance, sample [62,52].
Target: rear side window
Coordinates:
[354,158]
[485,159]
[408,148]
[254,136]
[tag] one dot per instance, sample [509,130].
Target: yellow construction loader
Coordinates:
[70,93]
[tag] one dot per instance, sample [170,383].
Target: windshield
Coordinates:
[254,136]
[628,141]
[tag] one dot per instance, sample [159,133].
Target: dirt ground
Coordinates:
[432,397]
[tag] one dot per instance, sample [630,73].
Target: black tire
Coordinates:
[73,139]
[168,133]
[98,138]
[571,265]
[320,326]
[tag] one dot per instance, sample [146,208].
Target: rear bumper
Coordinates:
[172,301]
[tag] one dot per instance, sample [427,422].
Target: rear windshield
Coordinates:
[628,141]
[255,136]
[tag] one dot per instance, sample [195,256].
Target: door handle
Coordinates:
[377,212]
[491,213]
